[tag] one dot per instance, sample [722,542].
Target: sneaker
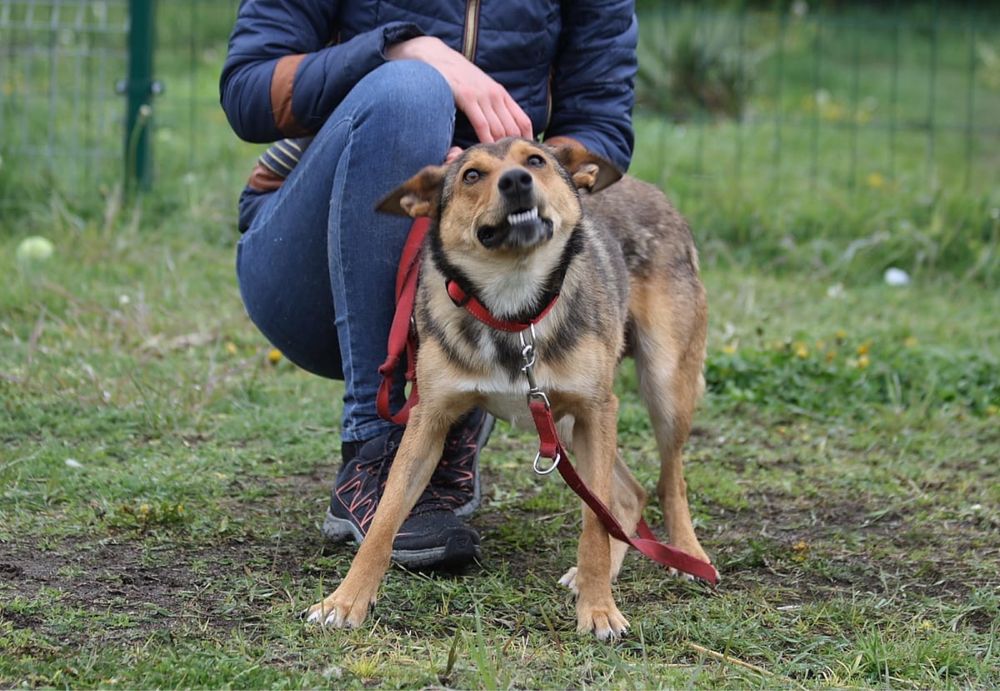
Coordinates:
[432,535]
[455,481]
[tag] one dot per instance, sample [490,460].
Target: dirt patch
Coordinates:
[170,583]
[147,587]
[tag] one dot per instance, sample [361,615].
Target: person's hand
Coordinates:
[491,111]
[453,153]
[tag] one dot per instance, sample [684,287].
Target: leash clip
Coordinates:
[528,355]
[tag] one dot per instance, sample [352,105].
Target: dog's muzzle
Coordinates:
[522,226]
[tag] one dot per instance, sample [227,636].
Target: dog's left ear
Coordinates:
[418,196]
[589,171]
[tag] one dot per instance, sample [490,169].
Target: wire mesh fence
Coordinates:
[59,62]
[796,97]
[861,96]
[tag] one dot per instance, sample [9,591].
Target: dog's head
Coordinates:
[508,197]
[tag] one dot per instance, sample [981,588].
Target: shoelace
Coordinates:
[428,501]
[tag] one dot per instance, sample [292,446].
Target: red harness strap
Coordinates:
[402,337]
[551,447]
[479,311]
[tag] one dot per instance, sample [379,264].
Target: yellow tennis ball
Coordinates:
[34,248]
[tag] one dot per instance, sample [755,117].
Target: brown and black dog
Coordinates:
[510,226]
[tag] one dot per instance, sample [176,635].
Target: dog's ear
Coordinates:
[589,171]
[418,196]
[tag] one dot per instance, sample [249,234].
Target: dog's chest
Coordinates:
[509,400]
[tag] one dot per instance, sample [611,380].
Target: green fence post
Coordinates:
[140,89]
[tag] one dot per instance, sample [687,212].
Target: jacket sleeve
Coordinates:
[593,84]
[281,78]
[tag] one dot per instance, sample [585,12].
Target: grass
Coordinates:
[162,479]
[856,530]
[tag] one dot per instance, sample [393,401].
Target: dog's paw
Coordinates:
[603,619]
[688,577]
[569,580]
[343,609]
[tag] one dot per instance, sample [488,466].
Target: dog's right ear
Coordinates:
[418,196]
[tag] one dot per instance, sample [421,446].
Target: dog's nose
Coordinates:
[515,183]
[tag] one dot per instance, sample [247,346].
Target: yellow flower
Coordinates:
[993,410]
[863,362]
[144,510]
[864,348]
[274,356]
[180,509]
[830,355]
[801,350]
[911,342]
[926,625]
[875,180]
[729,348]
[840,335]
[230,347]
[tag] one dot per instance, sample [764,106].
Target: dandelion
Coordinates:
[230,347]
[864,348]
[801,350]
[875,180]
[911,342]
[274,356]
[729,348]
[831,355]
[840,335]
[863,362]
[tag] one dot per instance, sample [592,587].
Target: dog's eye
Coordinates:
[471,175]
[536,161]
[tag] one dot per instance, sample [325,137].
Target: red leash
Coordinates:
[551,447]
[402,334]
[403,340]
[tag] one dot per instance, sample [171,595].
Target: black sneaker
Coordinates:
[432,535]
[455,481]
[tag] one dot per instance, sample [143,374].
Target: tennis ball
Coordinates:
[34,249]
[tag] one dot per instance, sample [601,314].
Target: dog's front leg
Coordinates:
[411,470]
[595,439]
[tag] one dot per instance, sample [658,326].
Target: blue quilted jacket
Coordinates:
[570,65]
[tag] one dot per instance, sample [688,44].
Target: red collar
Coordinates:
[478,310]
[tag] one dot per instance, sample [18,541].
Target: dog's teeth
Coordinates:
[523,217]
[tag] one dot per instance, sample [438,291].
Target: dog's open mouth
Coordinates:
[520,229]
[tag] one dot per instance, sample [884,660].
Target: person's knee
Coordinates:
[410,85]
[412,101]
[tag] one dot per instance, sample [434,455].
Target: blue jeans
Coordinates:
[317,266]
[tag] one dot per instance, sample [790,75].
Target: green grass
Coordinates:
[162,482]
[855,527]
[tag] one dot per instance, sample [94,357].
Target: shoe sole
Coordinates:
[459,545]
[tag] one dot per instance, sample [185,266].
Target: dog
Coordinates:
[516,224]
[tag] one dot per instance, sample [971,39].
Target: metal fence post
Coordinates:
[140,89]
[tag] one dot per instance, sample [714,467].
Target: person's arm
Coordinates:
[281,78]
[593,84]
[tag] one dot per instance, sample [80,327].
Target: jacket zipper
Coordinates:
[470,36]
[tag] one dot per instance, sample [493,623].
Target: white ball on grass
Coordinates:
[34,249]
